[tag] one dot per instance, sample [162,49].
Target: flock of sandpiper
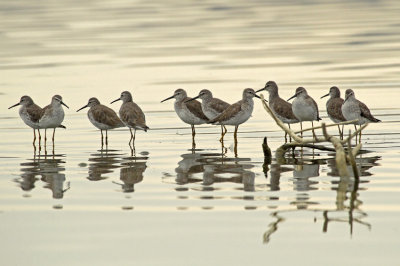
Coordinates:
[211,110]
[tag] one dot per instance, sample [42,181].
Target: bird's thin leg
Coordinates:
[301,128]
[360,136]
[45,136]
[34,137]
[223,132]
[54,133]
[130,129]
[193,134]
[40,137]
[290,137]
[134,136]
[313,132]
[340,133]
[102,143]
[235,140]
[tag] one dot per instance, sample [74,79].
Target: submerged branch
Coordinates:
[341,157]
[329,125]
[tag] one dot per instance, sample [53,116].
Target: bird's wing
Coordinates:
[35,112]
[229,113]
[365,112]
[335,109]
[284,109]
[107,116]
[135,115]
[195,108]
[219,105]
[311,101]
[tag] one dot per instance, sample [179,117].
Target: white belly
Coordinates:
[52,119]
[351,111]
[188,117]
[303,112]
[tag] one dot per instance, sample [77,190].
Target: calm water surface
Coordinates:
[76,204]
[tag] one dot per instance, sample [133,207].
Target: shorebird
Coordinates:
[102,117]
[304,108]
[30,113]
[131,115]
[52,116]
[212,107]
[189,112]
[353,109]
[334,107]
[237,113]
[281,108]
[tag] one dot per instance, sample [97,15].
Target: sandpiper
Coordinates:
[334,107]
[212,107]
[353,109]
[304,108]
[30,113]
[237,113]
[102,117]
[131,115]
[189,112]
[281,108]
[52,116]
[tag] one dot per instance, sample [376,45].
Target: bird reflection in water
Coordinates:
[50,168]
[131,173]
[103,162]
[205,172]
[348,205]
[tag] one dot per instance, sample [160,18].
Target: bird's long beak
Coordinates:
[292,97]
[345,99]
[14,105]
[169,98]
[325,95]
[261,89]
[192,99]
[116,100]
[255,95]
[82,108]
[64,104]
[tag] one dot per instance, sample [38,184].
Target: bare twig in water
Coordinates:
[341,158]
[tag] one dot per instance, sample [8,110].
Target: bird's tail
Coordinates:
[62,126]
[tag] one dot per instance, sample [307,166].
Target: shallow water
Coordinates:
[74,203]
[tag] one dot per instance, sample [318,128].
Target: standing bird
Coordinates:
[30,113]
[334,107]
[52,116]
[353,109]
[189,112]
[281,108]
[212,107]
[102,117]
[304,108]
[131,115]
[237,113]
